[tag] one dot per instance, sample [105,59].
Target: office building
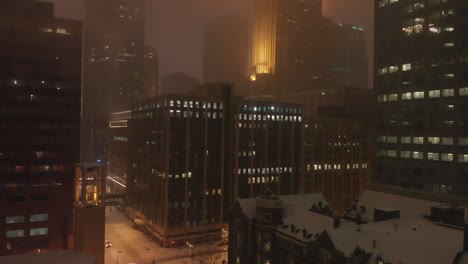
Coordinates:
[336,157]
[151,72]
[192,156]
[225,51]
[113,68]
[296,49]
[421,57]
[40,111]
[375,230]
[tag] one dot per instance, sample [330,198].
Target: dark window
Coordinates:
[15,199]
[39,197]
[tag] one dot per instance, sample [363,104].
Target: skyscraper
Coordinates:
[294,48]
[40,91]
[225,51]
[421,80]
[151,72]
[113,68]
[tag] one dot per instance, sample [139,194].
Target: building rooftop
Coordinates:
[411,238]
[51,257]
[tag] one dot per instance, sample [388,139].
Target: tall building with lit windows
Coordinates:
[40,92]
[421,81]
[113,68]
[296,49]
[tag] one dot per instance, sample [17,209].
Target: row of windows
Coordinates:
[421,95]
[254,117]
[418,155]
[413,7]
[179,113]
[21,218]
[267,179]
[117,124]
[16,82]
[250,171]
[274,109]
[177,103]
[32,232]
[448,141]
[337,166]
[121,139]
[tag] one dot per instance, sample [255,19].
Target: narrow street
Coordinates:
[132,246]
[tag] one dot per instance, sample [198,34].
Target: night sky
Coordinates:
[174,27]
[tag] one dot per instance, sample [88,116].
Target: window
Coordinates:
[381,139]
[447,141]
[382,98]
[15,233]
[463,141]
[434,94]
[391,153]
[463,91]
[38,231]
[406,67]
[392,97]
[405,154]
[418,95]
[14,219]
[418,140]
[392,139]
[446,157]
[393,69]
[382,71]
[412,26]
[433,140]
[406,140]
[38,217]
[433,156]
[448,92]
[463,158]
[406,96]
[417,155]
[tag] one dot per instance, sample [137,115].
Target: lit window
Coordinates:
[449,45]
[463,158]
[15,233]
[434,94]
[62,31]
[446,157]
[406,67]
[391,153]
[449,29]
[433,140]
[392,97]
[433,156]
[463,91]
[14,219]
[417,155]
[406,96]
[380,71]
[405,154]
[448,92]
[382,98]
[391,139]
[418,95]
[393,69]
[418,140]
[406,140]
[447,141]
[38,231]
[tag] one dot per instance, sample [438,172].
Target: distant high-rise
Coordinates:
[113,67]
[225,51]
[151,72]
[40,92]
[294,48]
[421,80]
[178,83]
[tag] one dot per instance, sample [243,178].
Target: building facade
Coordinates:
[113,68]
[192,156]
[296,49]
[41,72]
[151,72]
[421,80]
[336,159]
